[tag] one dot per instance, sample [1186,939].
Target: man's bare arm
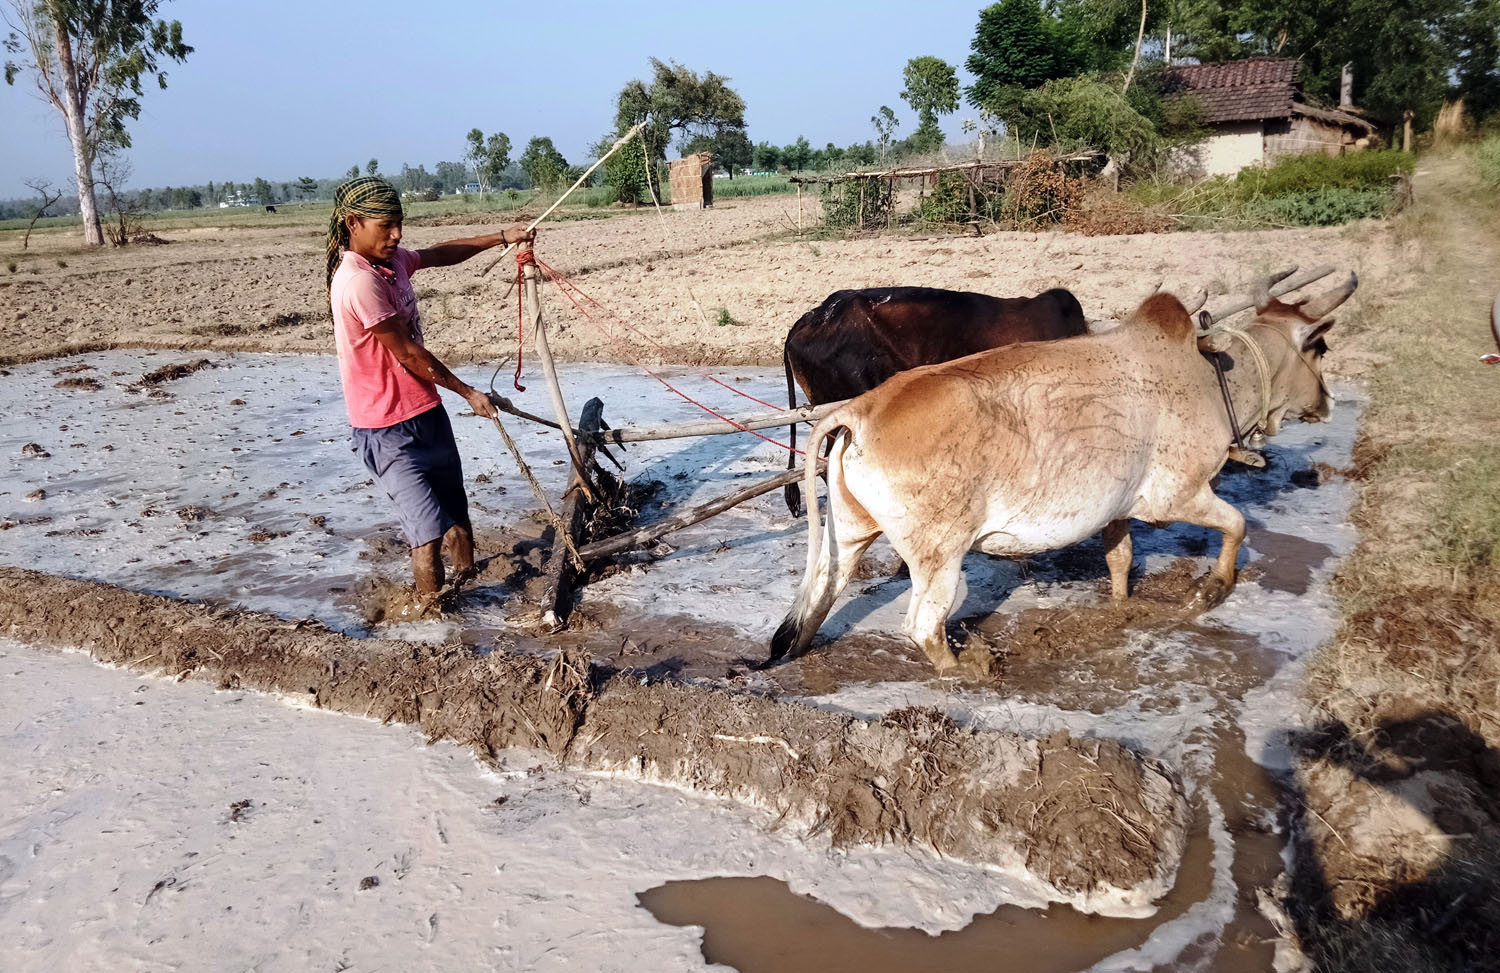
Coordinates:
[392,333]
[457,251]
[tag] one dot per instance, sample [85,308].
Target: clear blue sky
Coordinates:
[282,89]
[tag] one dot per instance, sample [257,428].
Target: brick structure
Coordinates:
[692,181]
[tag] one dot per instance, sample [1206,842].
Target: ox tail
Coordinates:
[815,596]
[793,497]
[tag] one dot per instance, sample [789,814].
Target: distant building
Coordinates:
[468,187]
[692,181]
[1257,113]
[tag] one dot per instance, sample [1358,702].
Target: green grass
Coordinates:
[745,185]
[1304,190]
[1486,156]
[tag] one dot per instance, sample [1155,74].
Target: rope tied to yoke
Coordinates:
[568,288]
[1262,374]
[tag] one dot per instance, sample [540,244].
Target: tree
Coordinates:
[43,188]
[1017,45]
[87,58]
[476,156]
[1406,54]
[767,157]
[931,90]
[677,102]
[353,172]
[450,175]
[264,193]
[544,165]
[496,158]
[885,123]
[372,168]
[730,147]
[798,154]
[307,187]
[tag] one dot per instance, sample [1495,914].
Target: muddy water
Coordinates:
[236,485]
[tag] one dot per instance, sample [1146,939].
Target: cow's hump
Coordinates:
[1165,313]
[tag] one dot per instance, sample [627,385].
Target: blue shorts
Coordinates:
[416,463]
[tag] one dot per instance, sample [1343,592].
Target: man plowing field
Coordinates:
[400,428]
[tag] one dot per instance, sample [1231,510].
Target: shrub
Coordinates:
[1325,207]
[856,203]
[1486,157]
[948,202]
[1303,173]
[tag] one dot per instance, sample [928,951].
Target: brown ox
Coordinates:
[857,339]
[1034,447]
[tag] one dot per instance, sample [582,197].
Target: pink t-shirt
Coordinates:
[378,391]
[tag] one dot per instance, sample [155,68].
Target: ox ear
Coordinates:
[1309,335]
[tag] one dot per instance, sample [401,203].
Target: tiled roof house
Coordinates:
[1257,113]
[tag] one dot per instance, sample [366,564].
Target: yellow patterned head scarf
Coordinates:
[368,196]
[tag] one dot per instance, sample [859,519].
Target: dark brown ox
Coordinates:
[1034,447]
[857,339]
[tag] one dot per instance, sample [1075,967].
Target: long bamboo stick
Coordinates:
[549,368]
[589,172]
[717,427]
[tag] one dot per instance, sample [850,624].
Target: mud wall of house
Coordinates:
[1231,147]
[1301,135]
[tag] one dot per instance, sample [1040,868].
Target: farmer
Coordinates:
[400,428]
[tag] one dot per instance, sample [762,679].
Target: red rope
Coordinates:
[563,284]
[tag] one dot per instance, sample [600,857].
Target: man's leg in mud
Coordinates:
[459,543]
[427,567]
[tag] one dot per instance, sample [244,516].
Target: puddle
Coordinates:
[236,485]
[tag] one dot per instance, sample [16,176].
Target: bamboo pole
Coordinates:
[717,427]
[589,172]
[549,368]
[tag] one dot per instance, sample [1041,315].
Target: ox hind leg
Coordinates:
[1118,552]
[847,534]
[934,587]
[1207,510]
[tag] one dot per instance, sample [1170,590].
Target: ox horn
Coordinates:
[1319,306]
[1260,288]
[1195,301]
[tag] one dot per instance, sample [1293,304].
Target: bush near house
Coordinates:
[1303,190]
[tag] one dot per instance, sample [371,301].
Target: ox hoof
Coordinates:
[977,661]
[1209,593]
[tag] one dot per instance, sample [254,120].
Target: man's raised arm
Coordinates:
[457,251]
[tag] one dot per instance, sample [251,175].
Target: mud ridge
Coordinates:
[1102,826]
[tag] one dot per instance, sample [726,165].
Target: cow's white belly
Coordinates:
[1047,520]
[1013,536]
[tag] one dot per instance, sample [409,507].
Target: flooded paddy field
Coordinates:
[234,484]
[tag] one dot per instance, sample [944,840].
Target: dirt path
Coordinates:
[1397,801]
